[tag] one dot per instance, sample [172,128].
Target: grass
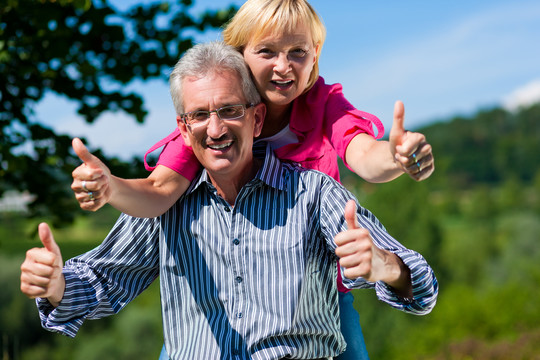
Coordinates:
[18,234]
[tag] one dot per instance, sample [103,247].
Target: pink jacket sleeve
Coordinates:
[176,155]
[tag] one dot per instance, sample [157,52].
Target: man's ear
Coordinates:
[183,130]
[260,113]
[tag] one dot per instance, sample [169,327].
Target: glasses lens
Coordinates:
[231,112]
[200,117]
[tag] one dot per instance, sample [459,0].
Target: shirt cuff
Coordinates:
[424,284]
[69,315]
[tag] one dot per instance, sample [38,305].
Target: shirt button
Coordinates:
[227,209]
[236,241]
[238,279]
[239,315]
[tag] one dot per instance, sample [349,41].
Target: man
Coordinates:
[246,258]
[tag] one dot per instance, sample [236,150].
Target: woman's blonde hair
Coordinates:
[258,18]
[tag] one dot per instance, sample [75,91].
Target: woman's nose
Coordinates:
[282,63]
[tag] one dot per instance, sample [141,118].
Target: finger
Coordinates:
[419,160]
[87,196]
[85,173]
[350,215]
[87,186]
[352,242]
[412,143]
[424,173]
[47,239]
[39,263]
[37,280]
[85,155]
[32,291]
[398,130]
[38,255]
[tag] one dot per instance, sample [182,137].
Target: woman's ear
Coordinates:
[259,113]
[183,130]
[317,53]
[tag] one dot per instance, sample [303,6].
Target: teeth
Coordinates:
[219,146]
[282,82]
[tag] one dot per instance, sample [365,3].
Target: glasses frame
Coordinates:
[185,116]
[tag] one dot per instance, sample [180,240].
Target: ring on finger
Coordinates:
[91,196]
[84,186]
[416,160]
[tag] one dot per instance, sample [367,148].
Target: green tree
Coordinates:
[85,51]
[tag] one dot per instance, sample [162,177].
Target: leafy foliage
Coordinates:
[86,52]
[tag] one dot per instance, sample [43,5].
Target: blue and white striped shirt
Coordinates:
[253,281]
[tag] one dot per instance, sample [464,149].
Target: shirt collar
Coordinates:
[271,172]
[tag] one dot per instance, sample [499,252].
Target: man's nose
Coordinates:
[216,126]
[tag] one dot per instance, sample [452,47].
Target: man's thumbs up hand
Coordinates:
[41,271]
[354,246]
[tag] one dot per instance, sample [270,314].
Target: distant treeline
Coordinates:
[490,147]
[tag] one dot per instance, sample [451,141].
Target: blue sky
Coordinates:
[440,58]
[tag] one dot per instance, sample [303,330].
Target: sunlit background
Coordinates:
[468,73]
[442,58]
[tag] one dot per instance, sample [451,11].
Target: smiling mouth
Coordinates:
[220,146]
[282,83]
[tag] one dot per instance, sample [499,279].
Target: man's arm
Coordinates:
[392,284]
[404,280]
[102,281]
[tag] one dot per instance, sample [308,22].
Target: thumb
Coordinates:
[85,155]
[350,215]
[398,129]
[47,239]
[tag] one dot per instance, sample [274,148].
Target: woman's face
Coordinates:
[281,64]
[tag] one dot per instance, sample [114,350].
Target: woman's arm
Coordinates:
[382,161]
[371,159]
[148,197]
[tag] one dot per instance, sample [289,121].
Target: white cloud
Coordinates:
[526,95]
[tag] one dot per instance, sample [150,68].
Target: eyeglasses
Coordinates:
[198,118]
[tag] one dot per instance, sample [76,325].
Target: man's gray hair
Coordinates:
[208,59]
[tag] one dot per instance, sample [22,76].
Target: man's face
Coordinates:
[223,147]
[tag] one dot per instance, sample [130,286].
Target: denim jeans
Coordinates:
[350,328]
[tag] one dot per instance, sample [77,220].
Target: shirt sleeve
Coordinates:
[425,286]
[102,281]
